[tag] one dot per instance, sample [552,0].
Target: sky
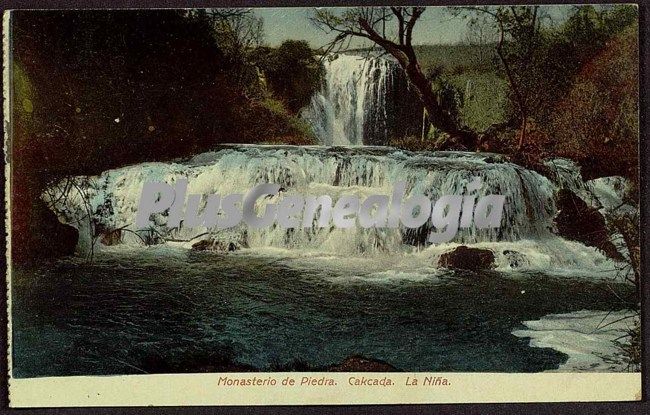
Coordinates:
[436,26]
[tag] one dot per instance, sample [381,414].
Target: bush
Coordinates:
[597,122]
[269,122]
[292,71]
[629,345]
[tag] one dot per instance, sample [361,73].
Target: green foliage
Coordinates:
[273,123]
[598,119]
[275,106]
[292,72]
[566,49]
[304,131]
[300,129]
[484,99]
[23,89]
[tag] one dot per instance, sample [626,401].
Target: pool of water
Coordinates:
[163,310]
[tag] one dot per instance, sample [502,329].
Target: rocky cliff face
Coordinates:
[578,221]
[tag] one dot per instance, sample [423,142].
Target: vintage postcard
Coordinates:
[290,206]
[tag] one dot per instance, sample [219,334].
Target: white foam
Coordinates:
[524,233]
[587,337]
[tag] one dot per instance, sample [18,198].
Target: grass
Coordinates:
[484,98]
[470,70]
[453,59]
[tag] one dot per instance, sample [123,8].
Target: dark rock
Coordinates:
[580,222]
[361,364]
[416,236]
[203,245]
[515,259]
[216,246]
[112,237]
[472,259]
[53,238]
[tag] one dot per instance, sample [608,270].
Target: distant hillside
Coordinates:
[457,58]
[482,92]
[454,58]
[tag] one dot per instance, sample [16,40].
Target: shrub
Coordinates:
[292,71]
[270,122]
[597,123]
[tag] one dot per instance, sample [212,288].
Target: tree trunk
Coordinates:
[522,132]
[437,116]
[425,124]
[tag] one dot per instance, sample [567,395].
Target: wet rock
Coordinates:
[112,237]
[214,246]
[416,236]
[578,221]
[463,257]
[361,364]
[57,239]
[203,245]
[515,259]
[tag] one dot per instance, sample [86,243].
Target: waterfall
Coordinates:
[113,197]
[362,101]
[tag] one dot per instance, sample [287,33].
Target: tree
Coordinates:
[293,72]
[598,119]
[237,32]
[520,51]
[371,23]
[585,33]
[481,33]
[541,60]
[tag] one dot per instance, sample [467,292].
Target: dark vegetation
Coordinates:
[95,90]
[599,112]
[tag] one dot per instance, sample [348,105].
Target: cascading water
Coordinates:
[362,101]
[524,240]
